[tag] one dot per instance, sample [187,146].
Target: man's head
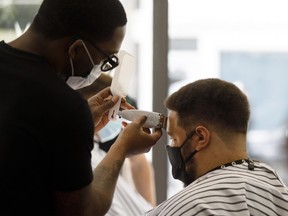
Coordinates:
[94,20]
[80,37]
[215,114]
[213,103]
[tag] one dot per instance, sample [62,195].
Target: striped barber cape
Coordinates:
[233,190]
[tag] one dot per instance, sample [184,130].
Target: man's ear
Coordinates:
[203,137]
[73,47]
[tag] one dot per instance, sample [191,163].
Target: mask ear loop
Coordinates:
[72,67]
[87,51]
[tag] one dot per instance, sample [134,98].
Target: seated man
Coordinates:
[207,125]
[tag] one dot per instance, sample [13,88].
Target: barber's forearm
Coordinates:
[106,175]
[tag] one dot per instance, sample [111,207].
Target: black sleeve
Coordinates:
[71,141]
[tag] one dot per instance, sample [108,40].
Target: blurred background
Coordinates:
[179,41]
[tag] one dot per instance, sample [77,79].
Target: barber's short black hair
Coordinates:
[96,19]
[213,102]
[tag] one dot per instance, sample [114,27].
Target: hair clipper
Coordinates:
[154,119]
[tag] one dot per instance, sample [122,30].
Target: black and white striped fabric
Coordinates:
[234,190]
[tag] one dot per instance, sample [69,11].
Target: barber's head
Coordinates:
[95,19]
[204,120]
[91,32]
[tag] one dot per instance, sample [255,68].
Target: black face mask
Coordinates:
[177,161]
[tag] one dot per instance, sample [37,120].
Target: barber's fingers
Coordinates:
[107,105]
[139,122]
[98,110]
[125,105]
[104,98]
[157,133]
[100,98]
[104,93]
[134,139]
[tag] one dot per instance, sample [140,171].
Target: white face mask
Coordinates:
[77,82]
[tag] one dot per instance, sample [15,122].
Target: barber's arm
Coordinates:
[132,140]
[96,198]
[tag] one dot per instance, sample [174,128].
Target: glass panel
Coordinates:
[263,76]
[15,17]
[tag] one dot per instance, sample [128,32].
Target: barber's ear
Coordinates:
[73,47]
[203,137]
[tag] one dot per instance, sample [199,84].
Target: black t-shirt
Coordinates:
[46,135]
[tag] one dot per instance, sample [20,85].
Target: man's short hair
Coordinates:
[212,102]
[96,19]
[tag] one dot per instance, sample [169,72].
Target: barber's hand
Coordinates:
[134,139]
[101,103]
